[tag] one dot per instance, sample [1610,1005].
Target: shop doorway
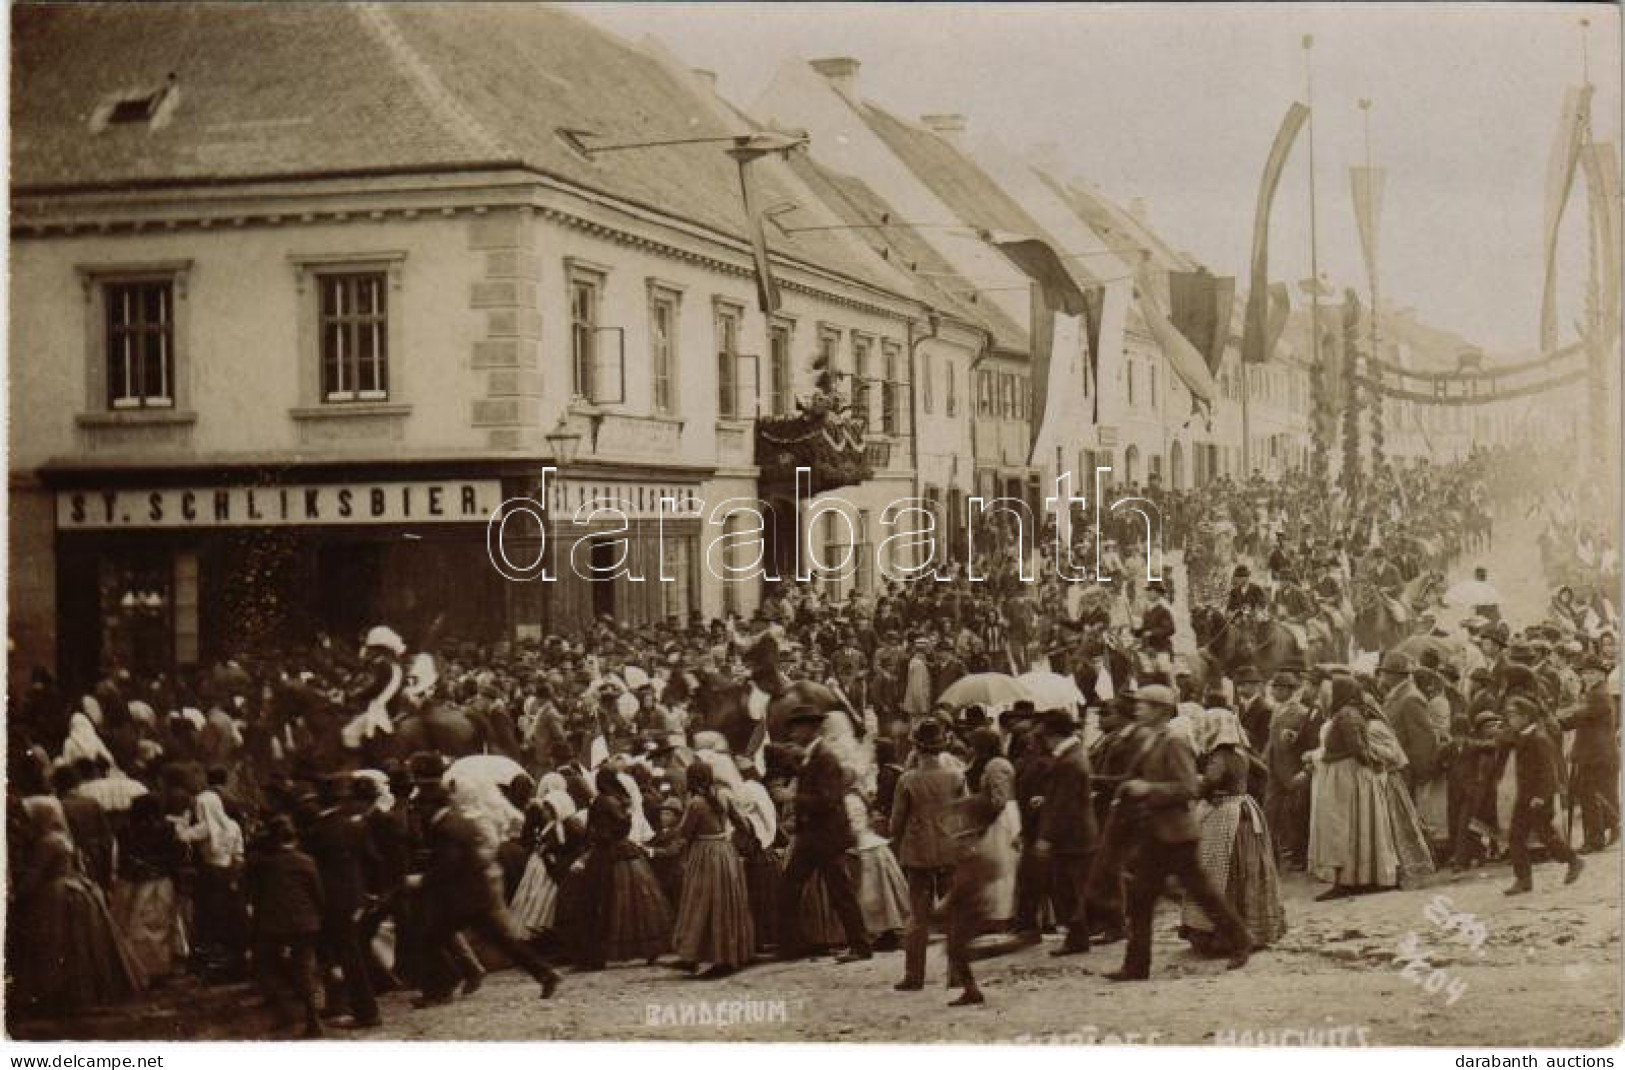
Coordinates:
[602,569]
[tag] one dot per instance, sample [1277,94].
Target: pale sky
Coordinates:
[1178,104]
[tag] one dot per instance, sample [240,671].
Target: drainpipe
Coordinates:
[933,322]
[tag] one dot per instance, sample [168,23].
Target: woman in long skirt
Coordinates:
[1410,839]
[73,956]
[882,889]
[1236,851]
[1351,836]
[554,846]
[144,900]
[714,923]
[983,889]
[219,904]
[632,919]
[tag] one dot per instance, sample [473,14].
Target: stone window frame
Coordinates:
[307,268]
[94,280]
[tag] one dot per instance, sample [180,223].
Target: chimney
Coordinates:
[841,72]
[708,78]
[951,128]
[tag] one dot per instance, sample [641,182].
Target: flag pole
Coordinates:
[1374,370]
[1314,236]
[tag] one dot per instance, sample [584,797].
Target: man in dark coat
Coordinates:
[1157,622]
[342,847]
[461,890]
[823,836]
[923,848]
[1533,809]
[286,893]
[1406,711]
[1066,827]
[1159,803]
[1595,783]
[1254,712]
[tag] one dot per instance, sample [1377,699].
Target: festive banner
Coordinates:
[1367,183]
[1186,362]
[1280,312]
[1255,334]
[767,287]
[1200,305]
[1603,191]
[1565,158]
[1055,294]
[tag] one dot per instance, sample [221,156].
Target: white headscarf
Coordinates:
[83,742]
[641,830]
[218,836]
[563,807]
[386,800]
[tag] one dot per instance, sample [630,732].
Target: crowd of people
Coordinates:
[836,776]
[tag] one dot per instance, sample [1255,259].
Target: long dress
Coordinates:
[1238,856]
[882,889]
[714,922]
[553,847]
[1351,836]
[634,919]
[74,956]
[1410,840]
[144,901]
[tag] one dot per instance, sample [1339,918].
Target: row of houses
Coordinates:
[300,294]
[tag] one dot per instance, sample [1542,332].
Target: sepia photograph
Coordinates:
[1018,524]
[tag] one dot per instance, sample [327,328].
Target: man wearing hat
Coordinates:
[1594,780]
[1406,711]
[823,836]
[1539,778]
[1246,597]
[1286,790]
[924,850]
[1254,712]
[1066,827]
[1158,802]
[461,889]
[344,852]
[1157,622]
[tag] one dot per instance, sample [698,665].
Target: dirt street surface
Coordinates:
[1548,973]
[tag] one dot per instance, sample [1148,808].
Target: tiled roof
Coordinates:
[295,89]
[855,202]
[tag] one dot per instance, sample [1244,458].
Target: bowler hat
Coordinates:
[929,736]
[1157,695]
[1057,723]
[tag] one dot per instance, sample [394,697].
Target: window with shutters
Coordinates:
[663,304]
[778,372]
[584,297]
[861,394]
[728,319]
[891,390]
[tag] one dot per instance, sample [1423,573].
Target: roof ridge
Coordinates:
[457,119]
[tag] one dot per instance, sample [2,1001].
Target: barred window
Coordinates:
[354,327]
[140,344]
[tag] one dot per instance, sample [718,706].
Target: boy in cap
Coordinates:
[1533,811]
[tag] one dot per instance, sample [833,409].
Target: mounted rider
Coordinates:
[381,697]
[1246,600]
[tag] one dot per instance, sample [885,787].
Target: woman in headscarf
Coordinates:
[554,848]
[982,892]
[219,917]
[714,923]
[882,889]
[628,917]
[144,900]
[1409,838]
[1235,851]
[1351,839]
[83,743]
[73,956]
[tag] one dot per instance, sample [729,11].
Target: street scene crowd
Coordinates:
[997,760]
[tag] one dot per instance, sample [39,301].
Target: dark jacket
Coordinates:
[1164,812]
[1066,820]
[342,848]
[1406,711]
[822,827]
[1538,765]
[286,892]
[460,877]
[917,838]
[1594,725]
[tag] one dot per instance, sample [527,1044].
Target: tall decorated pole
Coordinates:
[1367,183]
[1319,465]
